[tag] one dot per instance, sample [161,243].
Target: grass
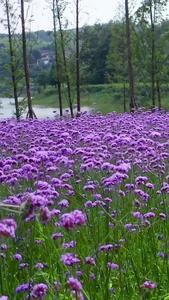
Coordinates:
[105,98]
[113,226]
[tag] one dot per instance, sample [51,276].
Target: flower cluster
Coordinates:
[81,198]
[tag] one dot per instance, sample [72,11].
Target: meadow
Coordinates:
[102,97]
[84,207]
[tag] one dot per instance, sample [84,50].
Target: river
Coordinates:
[7,110]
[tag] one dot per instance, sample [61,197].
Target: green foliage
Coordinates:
[95,46]
[103,57]
[117,60]
[151,36]
[43,79]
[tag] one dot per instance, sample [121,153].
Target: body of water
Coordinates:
[7,110]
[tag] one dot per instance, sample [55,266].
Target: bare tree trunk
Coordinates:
[64,59]
[124,97]
[12,64]
[153,62]
[158,93]
[30,113]
[130,60]
[77,57]
[57,61]
[124,85]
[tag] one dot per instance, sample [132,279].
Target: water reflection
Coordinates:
[7,110]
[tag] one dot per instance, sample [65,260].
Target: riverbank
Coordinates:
[106,98]
[101,97]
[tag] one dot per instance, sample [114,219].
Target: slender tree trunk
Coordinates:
[13,67]
[57,61]
[124,97]
[77,57]
[158,93]
[153,62]
[30,113]
[64,59]
[124,84]
[130,60]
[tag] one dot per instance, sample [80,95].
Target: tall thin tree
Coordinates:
[153,50]
[58,9]
[12,61]
[153,60]
[77,57]
[30,113]
[57,60]
[130,59]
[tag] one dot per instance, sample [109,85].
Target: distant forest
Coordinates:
[103,54]
[132,51]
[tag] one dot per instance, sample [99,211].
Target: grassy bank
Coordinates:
[107,97]
[101,97]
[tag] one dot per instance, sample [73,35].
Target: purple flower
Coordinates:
[92,276]
[143,195]
[70,220]
[75,284]
[129,186]
[161,254]
[155,134]
[137,215]
[89,187]
[115,179]
[71,244]
[90,260]
[111,225]
[141,179]
[70,259]
[17,256]
[3,255]
[97,196]
[56,236]
[39,265]
[150,185]
[64,203]
[23,287]
[4,247]
[77,295]
[79,273]
[121,193]
[23,265]
[4,298]
[128,226]
[106,248]
[39,291]
[148,285]
[107,199]
[149,215]
[38,241]
[112,265]
[8,227]
[162,215]
[88,204]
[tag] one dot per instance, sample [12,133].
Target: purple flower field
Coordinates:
[84,207]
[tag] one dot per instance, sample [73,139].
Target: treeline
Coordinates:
[133,50]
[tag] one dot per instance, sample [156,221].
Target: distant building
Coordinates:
[47,57]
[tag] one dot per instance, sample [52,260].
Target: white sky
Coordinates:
[91,12]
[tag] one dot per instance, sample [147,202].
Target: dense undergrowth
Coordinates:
[84,207]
